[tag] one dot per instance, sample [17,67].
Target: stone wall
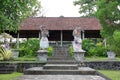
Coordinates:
[21,66]
[9,67]
[104,65]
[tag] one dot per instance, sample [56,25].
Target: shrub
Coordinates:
[94,49]
[116,46]
[71,51]
[6,54]
[88,44]
[98,51]
[29,47]
[101,49]
[50,51]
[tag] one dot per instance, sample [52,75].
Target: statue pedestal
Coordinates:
[42,55]
[111,55]
[79,56]
[15,53]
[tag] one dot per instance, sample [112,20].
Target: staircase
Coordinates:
[61,55]
[7,68]
[60,64]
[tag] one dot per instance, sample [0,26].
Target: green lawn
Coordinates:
[95,58]
[10,76]
[26,59]
[22,59]
[112,74]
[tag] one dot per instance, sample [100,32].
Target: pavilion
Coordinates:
[60,28]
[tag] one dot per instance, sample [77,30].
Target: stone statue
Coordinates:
[44,43]
[77,43]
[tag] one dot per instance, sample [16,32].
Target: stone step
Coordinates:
[63,49]
[4,69]
[61,66]
[40,71]
[63,53]
[62,77]
[7,69]
[64,56]
[60,58]
[61,62]
[6,72]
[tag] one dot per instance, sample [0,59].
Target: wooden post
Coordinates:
[39,37]
[83,34]
[61,38]
[18,36]
[105,42]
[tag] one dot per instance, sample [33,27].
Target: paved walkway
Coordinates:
[60,77]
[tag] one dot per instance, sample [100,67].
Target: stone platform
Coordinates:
[62,70]
[61,67]
[60,77]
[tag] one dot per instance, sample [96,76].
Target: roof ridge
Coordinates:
[62,17]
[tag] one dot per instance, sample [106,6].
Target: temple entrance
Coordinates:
[59,38]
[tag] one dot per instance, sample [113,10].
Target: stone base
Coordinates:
[42,55]
[111,55]
[79,56]
[15,53]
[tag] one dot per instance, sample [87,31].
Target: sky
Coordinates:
[57,8]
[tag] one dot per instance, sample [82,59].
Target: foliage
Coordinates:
[87,44]
[50,51]
[0,43]
[6,54]
[94,49]
[116,37]
[114,75]
[10,76]
[5,35]
[71,51]
[108,14]
[13,12]
[98,50]
[29,47]
[116,45]
[87,7]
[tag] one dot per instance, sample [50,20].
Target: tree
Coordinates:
[87,7]
[13,12]
[108,14]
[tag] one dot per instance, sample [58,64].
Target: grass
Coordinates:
[10,76]
[26,59]
[112,74]
[22,59]
[95,58]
